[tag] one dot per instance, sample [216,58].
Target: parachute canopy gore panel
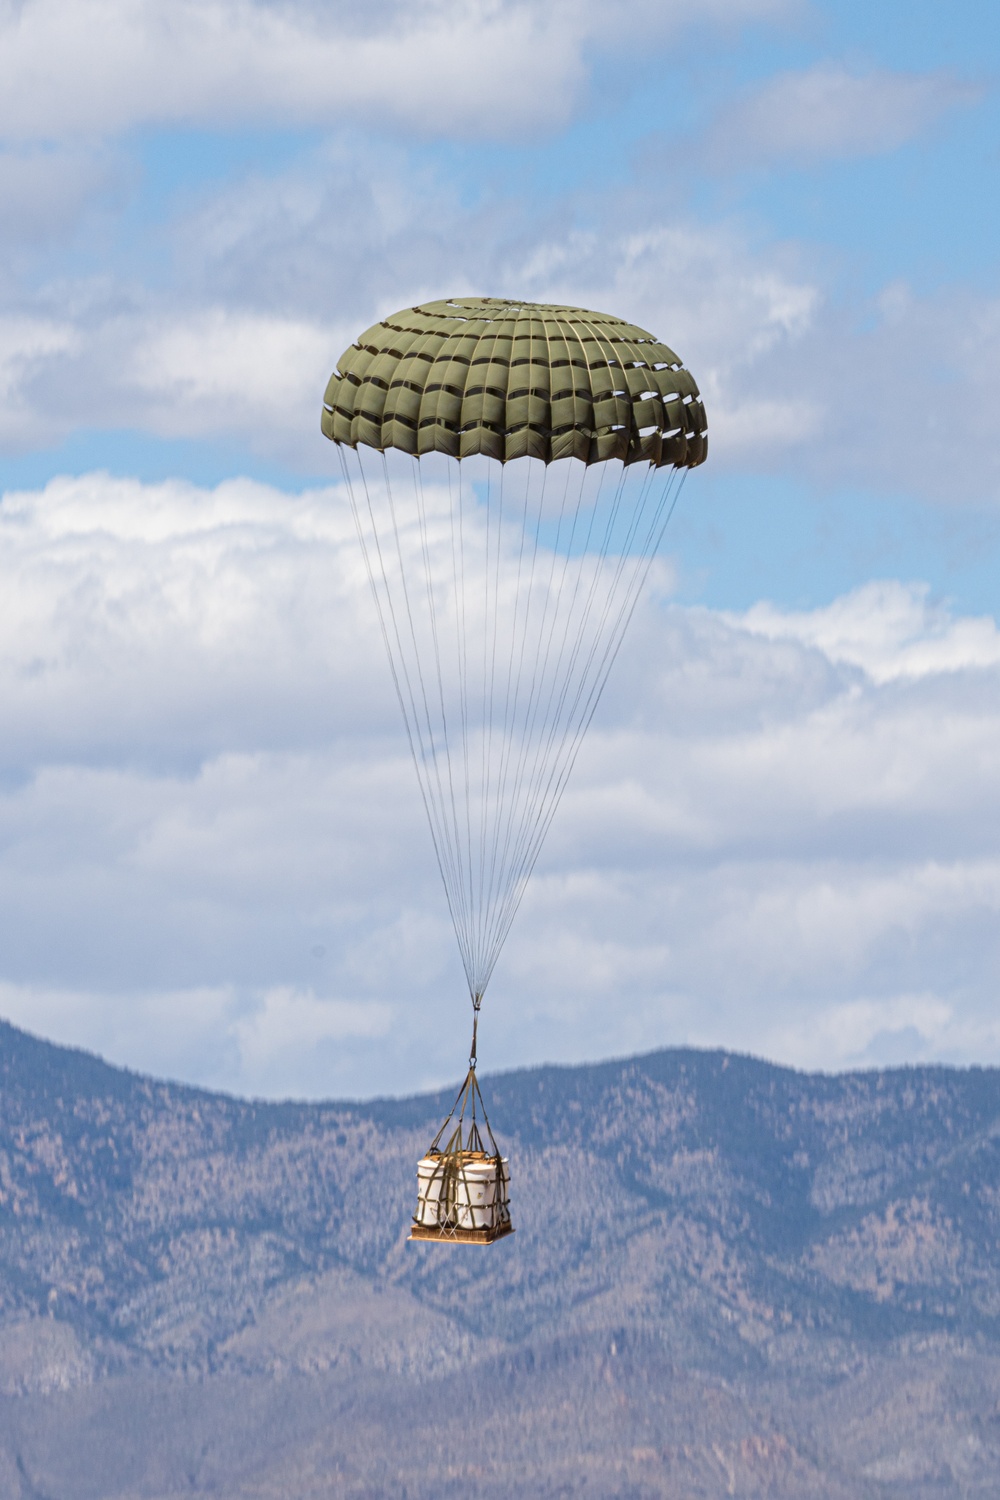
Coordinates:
[509,380]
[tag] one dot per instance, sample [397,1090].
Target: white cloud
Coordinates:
[213,859]
[828,112]
[132,618]
[219,370]
[43,193]
[256,1042]
[205,371]
[888,629]
[911,398]
[811,962]
[288,1024]
[900,1028]
[484,67]
[27,345]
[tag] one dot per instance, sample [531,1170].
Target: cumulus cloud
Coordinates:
[827,112]
[222,369]
[489,67]
[208,371]
[113,587]
[888,629]
[102,66]
[778,850]
[213,858]
[273,275]
[281,1041]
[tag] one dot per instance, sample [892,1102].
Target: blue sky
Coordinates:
[200,205]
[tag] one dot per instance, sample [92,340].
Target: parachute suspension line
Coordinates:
[461,916]
[463,674]
[455,826]
[408,702]
[503,806]
[613,642]
[485,736]
[429,757]
[545,744]
[523,784]
[507,803]
[630,595]
[491,784]
[537,786]
[564,760]
[420,751]
[530,580]
[628,609]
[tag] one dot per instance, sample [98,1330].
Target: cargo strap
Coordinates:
[469,1121]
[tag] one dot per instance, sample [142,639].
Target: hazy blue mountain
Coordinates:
[728,1278]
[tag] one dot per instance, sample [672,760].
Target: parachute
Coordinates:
[511,467]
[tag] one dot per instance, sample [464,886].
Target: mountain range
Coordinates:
[728,1279]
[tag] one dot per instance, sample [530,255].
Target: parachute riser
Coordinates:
[477,1002]
[470,1124]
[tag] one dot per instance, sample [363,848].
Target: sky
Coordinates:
[782,834]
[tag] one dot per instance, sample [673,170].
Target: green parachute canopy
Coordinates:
[509,380]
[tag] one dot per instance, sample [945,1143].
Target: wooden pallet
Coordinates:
[459,1236]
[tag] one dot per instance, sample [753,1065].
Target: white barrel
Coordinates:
[464,1191]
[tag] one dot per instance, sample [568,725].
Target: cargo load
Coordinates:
[463,1187]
